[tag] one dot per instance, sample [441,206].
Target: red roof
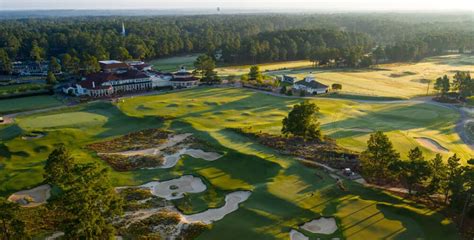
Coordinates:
[95,80]
[116,65]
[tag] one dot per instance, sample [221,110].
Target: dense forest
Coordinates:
[240,38]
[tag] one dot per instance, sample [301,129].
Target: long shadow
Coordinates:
[402,118]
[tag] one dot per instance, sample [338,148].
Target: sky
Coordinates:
[290,5]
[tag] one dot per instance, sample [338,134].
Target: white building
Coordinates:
[310,85]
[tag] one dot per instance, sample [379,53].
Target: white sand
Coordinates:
[37,196]
[171,160]
[295,235]
[322,225]
[184,184]
[172,141]
[33,137]
[232,201]
[55,235]
[431,144]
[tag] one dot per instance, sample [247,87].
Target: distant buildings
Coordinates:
[118,77]
[30,68]
[311,86]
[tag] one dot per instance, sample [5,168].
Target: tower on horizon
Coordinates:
[123,30]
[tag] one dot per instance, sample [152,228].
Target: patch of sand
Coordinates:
[322,225]
[295,235]
[232,201]
[32,197]
[175,188]
[33,136]
[171,160]
[431,144]
[55,235]
[172,141]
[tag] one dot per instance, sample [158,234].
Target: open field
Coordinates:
[386,80]
[27,103]
[285,194]
[172,64]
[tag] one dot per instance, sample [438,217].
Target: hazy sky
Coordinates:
[428,5]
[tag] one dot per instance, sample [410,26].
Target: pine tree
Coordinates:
[378,156]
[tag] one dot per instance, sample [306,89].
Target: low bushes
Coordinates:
[144,139]
[123,163]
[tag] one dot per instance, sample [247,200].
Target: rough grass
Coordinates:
[27,103]
[404,80]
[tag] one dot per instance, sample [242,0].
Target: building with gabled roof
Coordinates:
[310,85]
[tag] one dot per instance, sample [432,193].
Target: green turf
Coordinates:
[281,187]
[172,64]
[27,103]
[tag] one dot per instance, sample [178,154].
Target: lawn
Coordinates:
[400,80]
[173,64]
[27,103]
[281,187]
[347,121]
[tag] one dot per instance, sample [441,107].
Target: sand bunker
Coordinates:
[171,160]
[172,141]
[295,235]
[232,201]
[33,135]
[175,188]
[33,197]
[431,144]
[322,225]
[55,235]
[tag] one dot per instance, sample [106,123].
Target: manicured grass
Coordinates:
[281,187]
[349,122]
[173,64]
[27,103]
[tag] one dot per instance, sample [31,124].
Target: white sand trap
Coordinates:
[171,160]
[295,235]
[232,201]
[33,136]
[322,225]
[175,188]
[431,144]
[55,235]
[32,197]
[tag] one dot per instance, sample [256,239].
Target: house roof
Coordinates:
[288,78]
[112,64]
[98,79]
[312,84]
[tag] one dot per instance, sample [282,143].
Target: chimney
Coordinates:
[93,84]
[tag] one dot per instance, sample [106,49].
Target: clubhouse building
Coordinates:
[117,78]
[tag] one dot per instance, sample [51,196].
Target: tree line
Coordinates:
[80,41]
